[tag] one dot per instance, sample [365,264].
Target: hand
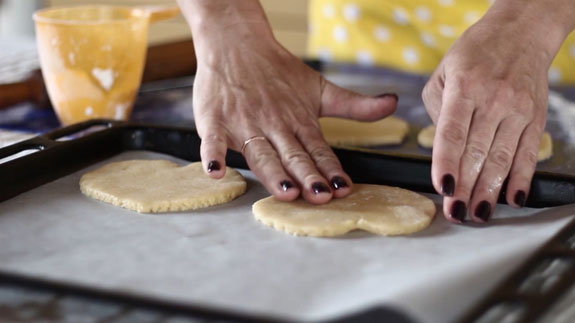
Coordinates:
[246,86]
[488,99]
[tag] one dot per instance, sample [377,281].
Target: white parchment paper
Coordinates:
[222,257]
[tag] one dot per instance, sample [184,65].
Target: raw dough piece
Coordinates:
[425,139]
[160,186]
[388,131]
[545,147]
[375,208]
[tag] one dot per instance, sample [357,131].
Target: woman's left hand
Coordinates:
[489,100]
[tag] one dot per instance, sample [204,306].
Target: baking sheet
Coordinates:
[222,257]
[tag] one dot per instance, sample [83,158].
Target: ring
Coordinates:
[254,138]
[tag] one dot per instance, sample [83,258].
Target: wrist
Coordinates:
[224,23]
[543,23]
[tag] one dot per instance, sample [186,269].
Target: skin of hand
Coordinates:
[489,100]
[248,85]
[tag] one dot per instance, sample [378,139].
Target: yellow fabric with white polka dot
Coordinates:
[410,35]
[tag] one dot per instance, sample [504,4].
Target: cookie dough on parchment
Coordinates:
[375,208]
[150,186]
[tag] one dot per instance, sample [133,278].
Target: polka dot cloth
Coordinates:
[405,34]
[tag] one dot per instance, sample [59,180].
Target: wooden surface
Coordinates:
[287,17]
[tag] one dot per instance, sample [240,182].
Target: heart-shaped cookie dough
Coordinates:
[375,208]
[160,186]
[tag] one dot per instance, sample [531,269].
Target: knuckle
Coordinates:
[476,151]
[509,101]
[213,138]
[263,156]
[278,124]
[309,129]
[464,84]
[489,111]
[531,156]
[524,108]
[266,162]
[504,92]
[454,134]
[502,157]
[279,135]
[521,120]
[295,156]
[494,111]
[524,100]
[458,79]
[497,108]
[321,154]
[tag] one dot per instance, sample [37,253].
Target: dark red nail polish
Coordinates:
[520,198]
[458,211]
[214,165]
[483,211]
[448,185]
[338,182]
[394,95]
[319,187]
[286,185]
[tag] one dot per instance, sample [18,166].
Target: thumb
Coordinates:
[339,102]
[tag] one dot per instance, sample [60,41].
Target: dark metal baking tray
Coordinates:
[56,157]
[70,149]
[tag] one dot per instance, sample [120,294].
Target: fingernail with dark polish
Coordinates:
[448,185]
[338,182]
[520,198]
[213,166]
[286,185]
[458,211]
[394,95]
[483,211]
[319,187]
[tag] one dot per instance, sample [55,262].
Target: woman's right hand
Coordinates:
[247,85]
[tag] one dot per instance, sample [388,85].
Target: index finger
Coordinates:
[450,138]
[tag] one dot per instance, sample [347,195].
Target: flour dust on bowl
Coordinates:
[92,58]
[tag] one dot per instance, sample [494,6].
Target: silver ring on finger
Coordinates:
[254,138]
